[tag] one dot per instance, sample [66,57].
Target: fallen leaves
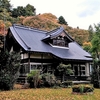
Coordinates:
[47,94]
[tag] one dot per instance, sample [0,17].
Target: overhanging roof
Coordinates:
[56,32]
[30,39]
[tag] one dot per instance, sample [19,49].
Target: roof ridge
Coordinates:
[54,33]
[30,28]
[50,32]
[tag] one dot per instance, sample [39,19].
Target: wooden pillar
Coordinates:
[79,72]
[42,63]
[42,60]
[28,64]
[29,58]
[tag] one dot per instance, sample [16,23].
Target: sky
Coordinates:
[77,13]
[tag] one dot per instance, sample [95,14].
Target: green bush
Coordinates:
[5,83]
[43,80]
[48,80]
[82,88]
[9,67]
[34,78]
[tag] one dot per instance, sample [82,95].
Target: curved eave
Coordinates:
[67,58]
[18,39]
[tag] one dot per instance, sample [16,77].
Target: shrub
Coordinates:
[5,83]
[9,67]
[33,78]
[48,80]
[44,80]
[82,88]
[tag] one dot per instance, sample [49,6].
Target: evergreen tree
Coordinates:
[62,20]
[29,10]
[9,67]
[64,69]
[90,30]
[5,4]
[95,76]
[96,42]
[19,11]
[95,50]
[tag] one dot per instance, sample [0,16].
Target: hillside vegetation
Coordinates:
[47,21]
[27,16]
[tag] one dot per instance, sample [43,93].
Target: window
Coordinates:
[83,70]
[33,67]
[27,69]
[79,69]
[72,67]
[60,41]
[75,70]
[24,69]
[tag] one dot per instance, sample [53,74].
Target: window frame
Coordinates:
[79,68]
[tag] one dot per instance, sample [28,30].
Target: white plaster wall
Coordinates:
[45,56]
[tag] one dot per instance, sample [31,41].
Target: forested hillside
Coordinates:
[27,16]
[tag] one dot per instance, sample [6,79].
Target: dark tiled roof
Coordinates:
[31,40]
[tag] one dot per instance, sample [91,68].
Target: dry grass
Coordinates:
[47,94]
